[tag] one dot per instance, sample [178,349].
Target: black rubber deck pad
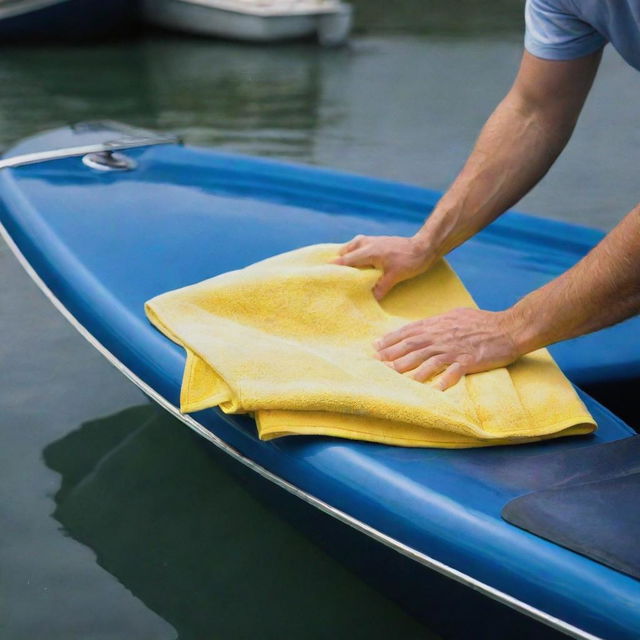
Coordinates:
[594,508]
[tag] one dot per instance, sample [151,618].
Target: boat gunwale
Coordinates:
[506,225]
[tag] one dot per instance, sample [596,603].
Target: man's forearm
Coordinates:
[516,147]
[600,290]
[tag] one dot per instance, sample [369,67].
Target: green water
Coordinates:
[115,523]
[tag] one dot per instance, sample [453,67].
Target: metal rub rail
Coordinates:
[83,150]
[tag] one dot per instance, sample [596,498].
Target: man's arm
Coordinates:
[600,290]
[516,147]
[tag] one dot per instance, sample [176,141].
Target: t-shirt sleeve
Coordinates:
[553,32]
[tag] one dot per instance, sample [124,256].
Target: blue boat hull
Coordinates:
[69,21]
[102,243]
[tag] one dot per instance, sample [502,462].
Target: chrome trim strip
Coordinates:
[71,152]
[364,528]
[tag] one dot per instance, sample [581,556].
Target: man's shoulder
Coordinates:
[556,30]
[561,6]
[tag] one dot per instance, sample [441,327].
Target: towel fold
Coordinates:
[289,340]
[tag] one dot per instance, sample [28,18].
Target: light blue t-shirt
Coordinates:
[567,29]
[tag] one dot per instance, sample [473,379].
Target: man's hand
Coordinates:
[399,258]
[516,147]
[457,342]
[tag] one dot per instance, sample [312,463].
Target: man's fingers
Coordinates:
[356,258]
[400,349]
[384,285]
[413,359]
[429,368]
[351,245]
[392,337]
[451,376]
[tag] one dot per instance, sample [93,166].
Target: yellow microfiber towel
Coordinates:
[289,340]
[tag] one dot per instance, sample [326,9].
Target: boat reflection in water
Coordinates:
[269,102]
[265,102]
[171,525]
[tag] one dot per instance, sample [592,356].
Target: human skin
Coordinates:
[516,147]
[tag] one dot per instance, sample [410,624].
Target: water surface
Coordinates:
[115,522]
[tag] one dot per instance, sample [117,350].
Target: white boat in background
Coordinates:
[254,20]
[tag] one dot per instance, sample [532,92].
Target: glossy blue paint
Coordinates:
[106,242]
[69,20]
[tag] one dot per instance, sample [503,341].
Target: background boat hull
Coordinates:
[329,28]
[67,20]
